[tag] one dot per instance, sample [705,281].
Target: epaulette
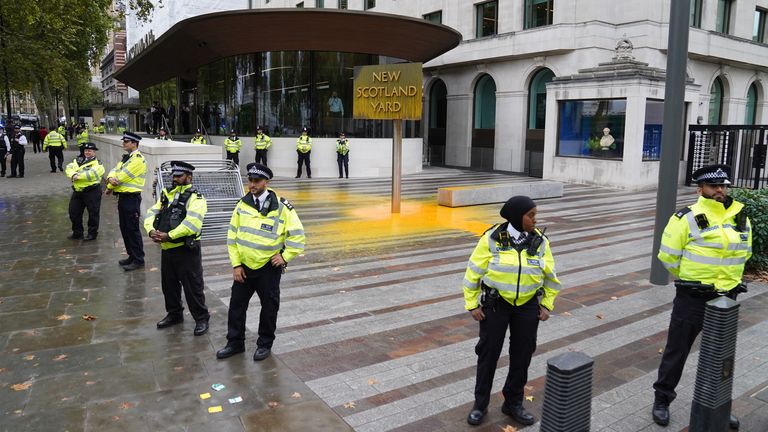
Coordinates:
[682,212]
[286,203]
[489,228]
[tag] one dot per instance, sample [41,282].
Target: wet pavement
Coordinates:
[372,335]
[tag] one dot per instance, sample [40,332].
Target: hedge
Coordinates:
[756,207]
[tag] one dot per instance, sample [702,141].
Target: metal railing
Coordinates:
[219,181]
[743,147]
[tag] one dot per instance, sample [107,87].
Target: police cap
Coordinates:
[89,146]
[717,174]
[130,136]
[304,129]
[181,167]
[257,171]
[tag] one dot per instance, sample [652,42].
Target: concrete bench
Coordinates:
[496,193]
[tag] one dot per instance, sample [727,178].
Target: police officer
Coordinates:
[342,154]
[262,144]
[510,282]
[176,222]
[5,149]
[265,233]
[232,146]
[704,246]
[126,181]
[85,172]
[56,144]
[82,138]
[198,138]
[303,149]
[162,135]
[18,149]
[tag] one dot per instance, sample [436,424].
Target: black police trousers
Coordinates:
[686,323]
[523,323]
[129,213]
[343,161]
[182,267]
[261,156]
[91,200]
[265,282]
[304,158]
[56,154]
[234,157]
[3,153]
[17,160]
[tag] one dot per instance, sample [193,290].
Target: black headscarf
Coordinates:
[514,209]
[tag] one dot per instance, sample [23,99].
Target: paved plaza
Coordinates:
[372,334]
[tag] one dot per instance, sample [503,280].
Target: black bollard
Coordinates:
[711,407]
[568,393]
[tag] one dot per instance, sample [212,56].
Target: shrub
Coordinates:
[756,207]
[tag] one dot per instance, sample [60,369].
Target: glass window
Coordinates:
[485,103]
[211,112]
[434,17]
[695,19]
[370,4]
[654,118]
[320,3]
[723,22]
[751,115]
[537,99]
[758,31]
[342,4]
[486,16]
[715,102]
[592,128]
[539,13]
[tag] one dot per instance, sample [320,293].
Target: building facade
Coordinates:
[501,100]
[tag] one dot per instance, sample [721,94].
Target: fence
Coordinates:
[743,147]
[220,183]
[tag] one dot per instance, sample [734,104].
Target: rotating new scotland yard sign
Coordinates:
[388,92]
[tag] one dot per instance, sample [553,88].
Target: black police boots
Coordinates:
[475,416]
[229,351]
[170,320]
[201,328]
[660,413]
[518,413]
[125,262]
[261,354]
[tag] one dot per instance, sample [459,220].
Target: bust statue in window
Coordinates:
[606,141]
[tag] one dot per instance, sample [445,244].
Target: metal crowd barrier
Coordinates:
[220,183]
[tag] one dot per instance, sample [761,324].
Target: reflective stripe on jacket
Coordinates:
[232,146]
[713,255]
[515,274]
[130,174]
[304,144]
[82,138]
[54,139]
[198,140]
[192,225]
[255,236]
[262,142]
[342,147]
[89,173]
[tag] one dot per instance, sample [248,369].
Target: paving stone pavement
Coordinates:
[372,333]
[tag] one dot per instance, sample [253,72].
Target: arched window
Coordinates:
[438,104]
[751,114]
[537,99]
[485,103]
[716,102]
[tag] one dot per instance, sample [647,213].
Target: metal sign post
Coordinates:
[390,92]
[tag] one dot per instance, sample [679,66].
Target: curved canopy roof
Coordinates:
[206,38]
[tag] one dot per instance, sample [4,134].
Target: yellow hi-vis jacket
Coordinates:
[342,147]
[701,243]
[255,236]
[304,144]
[54,139]
[192,225]
[198,140]
[263,142]
[82,138]
[130,173]
[232,145]
[89,173]
[515,274]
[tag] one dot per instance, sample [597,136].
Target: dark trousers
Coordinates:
[37,146]
[17,160]
[261,156]
[129,212]
[343,161]
[304,157]
[3,153]
[265,282]
[523,322]
[686,323]
[91,200]
[56,154]
[234,157]
[183,267]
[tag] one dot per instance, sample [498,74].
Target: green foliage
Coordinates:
[593,143]
[756,207]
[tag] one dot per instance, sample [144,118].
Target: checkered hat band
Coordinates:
[180,168]
[717,175]
[258,172]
